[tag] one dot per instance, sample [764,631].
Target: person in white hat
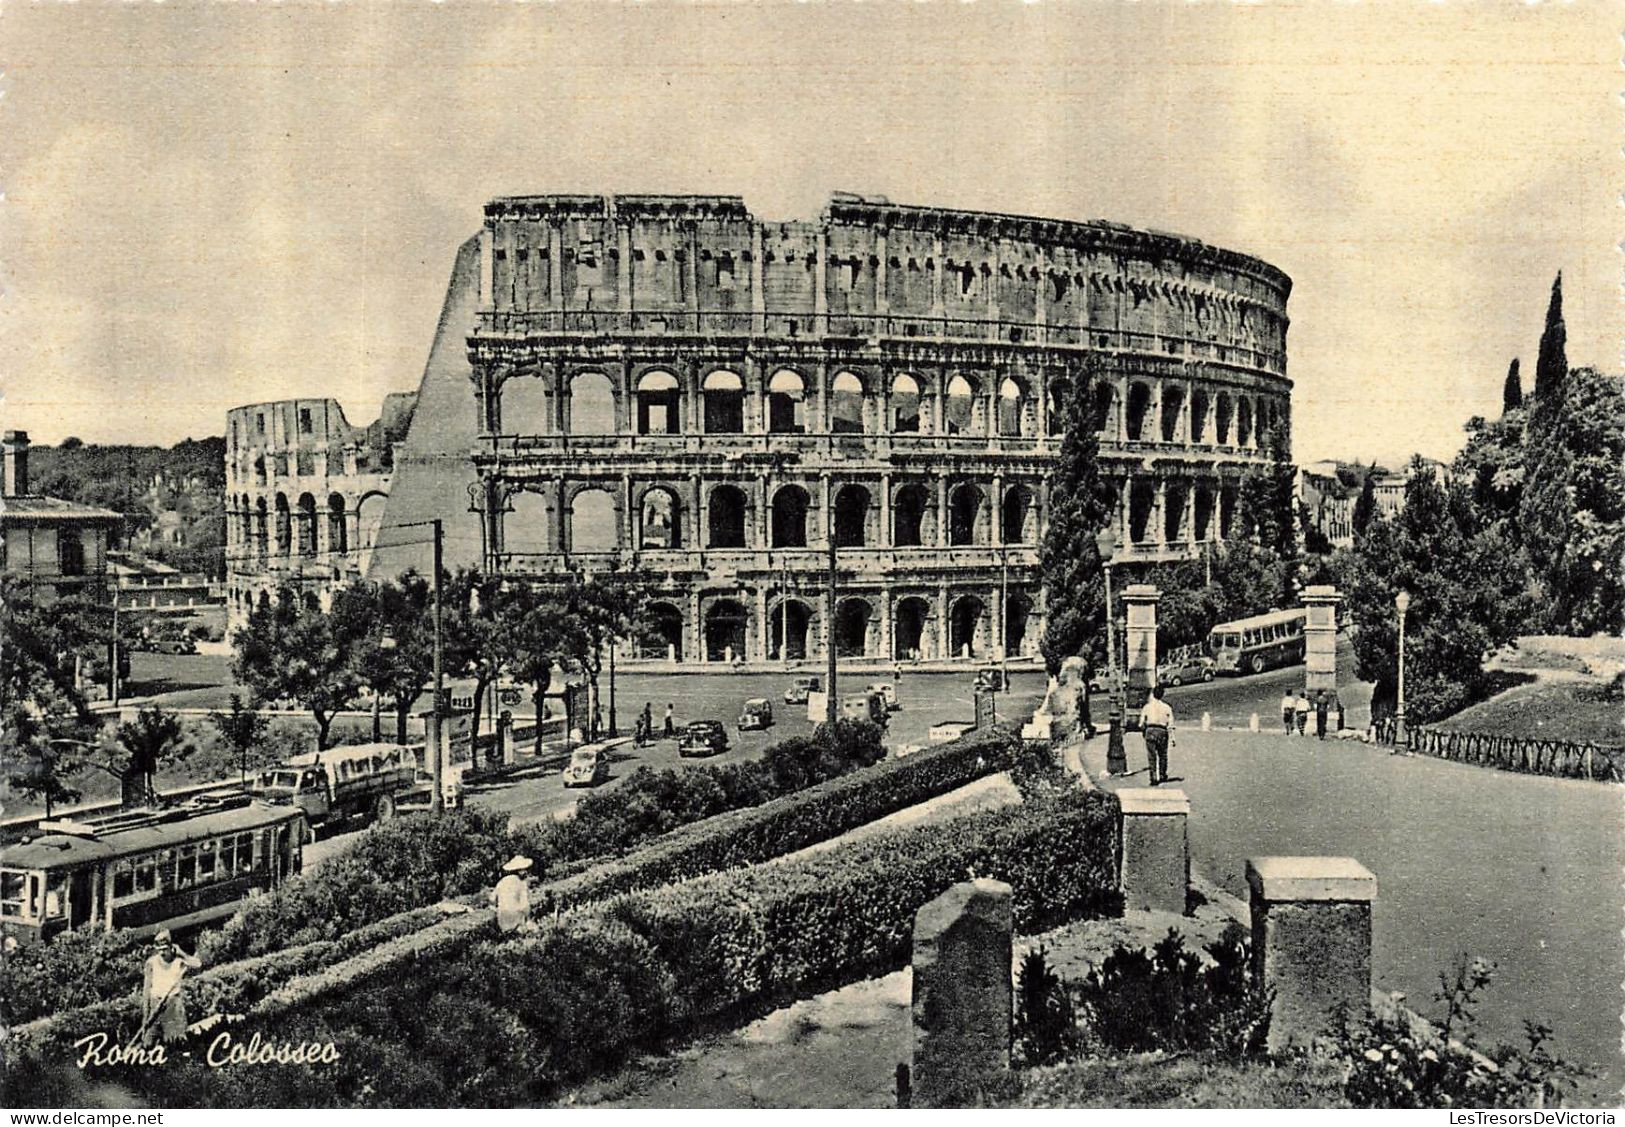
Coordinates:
[512,895]
[163,1017]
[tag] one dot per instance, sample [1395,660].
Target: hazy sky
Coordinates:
[212,205]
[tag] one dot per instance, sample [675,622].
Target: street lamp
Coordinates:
[1116,757]
[1402,603]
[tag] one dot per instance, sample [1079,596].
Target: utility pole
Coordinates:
[437,769]
[113,647]
[830,708]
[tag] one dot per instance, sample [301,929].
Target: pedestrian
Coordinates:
[671,720]
[1322,707]
[163,1015]
[511,896]
[597,720]
[1157,725]
[1086,719]
[1289,705]
[648,722]
[1301,712]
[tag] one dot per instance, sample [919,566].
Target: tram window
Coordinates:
[123,879]
[56,897]
[186,867]
[14,895]
[311,781]
[245,852]
[205,861]
[146,873]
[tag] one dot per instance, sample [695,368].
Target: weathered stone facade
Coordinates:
[305,495]
[671,383]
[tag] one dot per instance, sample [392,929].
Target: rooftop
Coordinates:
[35,507]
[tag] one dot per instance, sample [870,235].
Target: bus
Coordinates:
[143,870]
[367,780]
[1264,641]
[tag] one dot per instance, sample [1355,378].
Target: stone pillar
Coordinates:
[1159,514]
[759,651]
[696,629]
[758,297]
[485,268]
[1140,601]
[1156,866]
[623,272]
[962,993]
[1311,940]
[887,516]
[881,265]
[944,635]
[1320,639]
[1154,412]
[820,284]
[555,267]
[942,511]
[998,511]
[936,284]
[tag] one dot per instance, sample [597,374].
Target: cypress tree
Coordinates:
[1365,506]
[1512,390]
[1553,363]
[1080,505]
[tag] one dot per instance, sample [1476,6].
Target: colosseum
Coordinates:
[670,383]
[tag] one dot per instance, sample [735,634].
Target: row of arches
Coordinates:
[793,629]
[303,527]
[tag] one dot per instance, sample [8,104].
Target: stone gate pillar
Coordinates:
[1320,639]
[1141,600]
[962,993]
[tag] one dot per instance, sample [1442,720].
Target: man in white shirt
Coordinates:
[1157,725]
[512,896]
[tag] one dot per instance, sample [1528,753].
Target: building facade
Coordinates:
[1328,502]
[305,495]
[59,548]
[671,384]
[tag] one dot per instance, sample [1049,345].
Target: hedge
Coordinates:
[508,1022]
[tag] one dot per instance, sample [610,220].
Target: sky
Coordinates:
[212,205]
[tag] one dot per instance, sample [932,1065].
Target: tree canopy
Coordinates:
[1081,502]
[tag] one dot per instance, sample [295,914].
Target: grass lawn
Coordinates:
[1580,711]
[1184,1080]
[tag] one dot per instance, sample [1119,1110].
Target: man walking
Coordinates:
[1322,707]
[671,720]
[1289,705]
[1157,725]
[1302,711]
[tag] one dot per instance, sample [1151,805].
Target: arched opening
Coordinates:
[789,629]
[1057,407]
[1017,612]
[1227,512]
[1014,516]
[338,532]
[1142,496]
[1222,409]
[911,638]
[523,406]
[908,523]
[786,403]
[1199,406]
[1105,398]
[284,527]
[905,405]
[959,408]
[1173,513]
[967,627]
[659,404]
[1012,409]
[592,522]
[658,520]
[846,400]
[852,628]
[1244,421]
[524,526]
[725,524]
[964,513]
[725,626]
[662,638]
[1139,402]
[1173,401]
[851,516]
[592,404]
[724,403]
[261,540]
[1202,518]
[790,517]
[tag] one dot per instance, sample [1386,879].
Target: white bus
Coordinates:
[1252,645]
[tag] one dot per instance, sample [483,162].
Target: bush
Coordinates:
[1046,1027]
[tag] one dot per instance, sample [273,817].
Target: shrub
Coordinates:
[1045,1028]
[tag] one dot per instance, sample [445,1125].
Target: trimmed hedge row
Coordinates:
[510,1022]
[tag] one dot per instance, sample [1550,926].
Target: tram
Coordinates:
[143,870]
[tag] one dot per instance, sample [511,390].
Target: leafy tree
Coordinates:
[45,725]
[243,730]
[1512,389]
[1365,505]
[151,739]
[1552,365]
[290,650]
[1080,506]
[602,608]
[479,619]
[544,638]
[1468,597]
[391,636]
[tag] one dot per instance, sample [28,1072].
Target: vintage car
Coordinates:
[888,694]
[868,706]
[801,687]
[587,768]
[1185,669]
[702,737]
[756,715]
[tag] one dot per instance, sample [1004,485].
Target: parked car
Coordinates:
[587,768]
[702,737]
[801,687]
[865,706]
[757,715]
[1100,681]
[1186,668]
[888,694]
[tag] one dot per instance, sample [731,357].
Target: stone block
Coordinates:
[1156,865]
[1311,923]
[962,993]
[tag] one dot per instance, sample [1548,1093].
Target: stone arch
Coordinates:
[1223,412]
[261,525]
[852,625]
[967,627]
[724,395]
[789,517]
[592,524]
[787,402]
[1227,511]
[1173,402]
[848,404]
[592,404]
[284,526]
[960,414]
[1142,499]
[726,517]
[525,524]
[1013,408]
[905,405]
[1200,401]
[1175,497]
[913,632]
[524,405]
[1018,638]
[1139,405]
[965,505]
[790,625]
[1244,421]
[659,403]
[1105,403]
[662,640]
[1202,514]
[913,523]
[660,519]
[338,526]
[1018,522]
[851,516]
[727,626]
[1056,406]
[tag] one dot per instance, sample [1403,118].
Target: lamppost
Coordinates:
[1116,757]
[1402,603]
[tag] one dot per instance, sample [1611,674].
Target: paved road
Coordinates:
[1520,869]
